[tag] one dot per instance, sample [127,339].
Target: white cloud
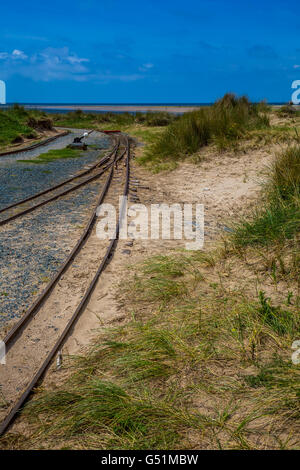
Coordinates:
[53,64]
[16,54]
[296,66]
[48,64]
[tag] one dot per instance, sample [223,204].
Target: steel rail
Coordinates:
[25,395]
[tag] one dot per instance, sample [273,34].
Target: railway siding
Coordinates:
[34,246]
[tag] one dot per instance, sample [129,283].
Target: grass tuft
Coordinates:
[281,321]
[279,217]
[223,124]
[16,123]
[53,155]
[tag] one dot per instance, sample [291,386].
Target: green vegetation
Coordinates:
[56,154]
[145,134]
[12,129]
[79,119]
[281,321]
[200,366]
[279,218]
[228,120]
[16,123]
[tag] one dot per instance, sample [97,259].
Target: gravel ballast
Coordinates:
[34,246]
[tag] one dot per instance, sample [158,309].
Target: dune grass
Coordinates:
[12,130]
[17,123]
[278,219]
[228,120]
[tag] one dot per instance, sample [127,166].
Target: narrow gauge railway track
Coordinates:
[10,216]
[33,337]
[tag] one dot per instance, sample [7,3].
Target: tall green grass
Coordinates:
[80,119]
[278,218]
[16,123]
[11,130]
[223,123]
[105,415]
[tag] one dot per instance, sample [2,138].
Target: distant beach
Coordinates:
[113,108]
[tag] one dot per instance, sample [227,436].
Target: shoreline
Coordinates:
[117,108]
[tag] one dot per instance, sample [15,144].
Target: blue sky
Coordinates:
[113,51]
